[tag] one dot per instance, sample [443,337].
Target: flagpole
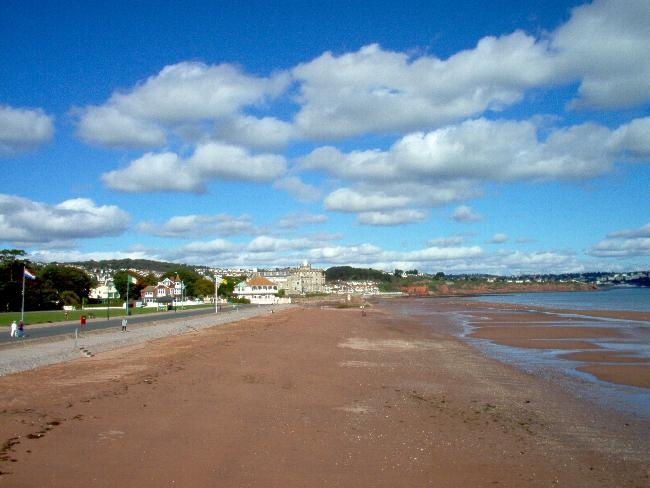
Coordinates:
[22,305]
[128,280]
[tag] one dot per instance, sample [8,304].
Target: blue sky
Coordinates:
[438,136]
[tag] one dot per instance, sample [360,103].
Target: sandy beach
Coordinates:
[310,397]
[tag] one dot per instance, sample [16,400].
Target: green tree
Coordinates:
[187,275]
[11,276]
[119,281]
[203,287]
[56,282]
[228,284]
[149,280]
[70,298]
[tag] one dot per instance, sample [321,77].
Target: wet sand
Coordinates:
[525,327]
[310,397]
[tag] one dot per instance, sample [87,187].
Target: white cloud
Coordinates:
[488,150]
[374,90]
[624,243]
[23,129]
[215,160]
[211,161]
[632,140]
[605,46]
[350,200]
[266,133]
[295,220]
[449,241]
[602,47]
[190,226]
[155,172]
[298,189]
[499,238]
[182,93]
[448,164]
[108,126]
[27,221]
[394,217]
[465,214]
[643,231]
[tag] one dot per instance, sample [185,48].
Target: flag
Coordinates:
[131,279]
[28,274]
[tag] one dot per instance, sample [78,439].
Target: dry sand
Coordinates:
[309,397]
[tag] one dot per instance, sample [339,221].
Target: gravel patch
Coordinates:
[36,353]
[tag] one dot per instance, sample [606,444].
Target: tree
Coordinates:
[203,287]
[119,281]
[70,298]
[187,275]
[57,284]
[11,275]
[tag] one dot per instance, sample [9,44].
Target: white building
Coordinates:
[103,291]
[259,290]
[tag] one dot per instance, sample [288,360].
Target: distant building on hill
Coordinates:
[305,279]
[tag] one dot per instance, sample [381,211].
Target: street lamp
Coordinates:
[217,282]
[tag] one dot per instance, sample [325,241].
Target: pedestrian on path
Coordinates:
[14,328]
[124,323]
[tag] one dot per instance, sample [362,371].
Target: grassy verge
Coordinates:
[47,316]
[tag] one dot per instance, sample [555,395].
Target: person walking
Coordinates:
[21,329]
[124,323]
[14,328]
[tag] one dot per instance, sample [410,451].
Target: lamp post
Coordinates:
[217,282]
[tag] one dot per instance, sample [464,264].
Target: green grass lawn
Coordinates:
[74,315]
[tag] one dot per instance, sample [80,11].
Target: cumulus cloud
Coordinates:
[602,47]
[624,243]
[26,221]
[108,126]
[451,163]
[395,217]
[489,150]
[295,220]
[605,46]
[374,90]
[449,241]
[298,189]
[350,200]
[266,133]
[192,226]
[23,129]
[465,214]
[210,161]
[499,238]
[182,93]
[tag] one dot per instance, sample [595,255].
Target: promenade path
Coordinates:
[58,342]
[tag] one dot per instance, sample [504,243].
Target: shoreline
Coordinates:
[310,397]
[564,330]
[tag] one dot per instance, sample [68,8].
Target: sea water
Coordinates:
[616,298]
[634,341]
[546,363]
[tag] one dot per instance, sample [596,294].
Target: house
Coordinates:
[165,291]
[104,290]
[259,290]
